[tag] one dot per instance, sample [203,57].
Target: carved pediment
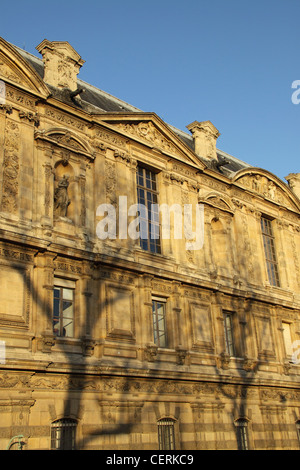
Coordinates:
[11,73]
[268,187]
[65,140]
[15,70]
[218,202]
[150,130]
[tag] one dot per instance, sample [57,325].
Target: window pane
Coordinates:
[159,323]
[166,434]
[63,434]
[68,294]
[229,342]
[242,434]
[147,196]
[270,252]
[63,312]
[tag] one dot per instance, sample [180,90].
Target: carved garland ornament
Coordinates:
[11,168]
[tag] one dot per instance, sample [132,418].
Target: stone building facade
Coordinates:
[110,341]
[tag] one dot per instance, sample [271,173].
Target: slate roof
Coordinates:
[95,100]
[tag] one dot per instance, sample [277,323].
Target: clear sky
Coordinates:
[232,62]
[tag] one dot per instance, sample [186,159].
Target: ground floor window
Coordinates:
[166,434]
[242,434]
[63,434]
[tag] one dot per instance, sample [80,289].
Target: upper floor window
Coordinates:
[166,434]
[229,334]
[63,434]
[149,216]
[159,322]
[270,253]
[63,308]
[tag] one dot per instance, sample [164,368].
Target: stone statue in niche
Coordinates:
[61,198]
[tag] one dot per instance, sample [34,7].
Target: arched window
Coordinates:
[242,434]
[63,434]
[166,434]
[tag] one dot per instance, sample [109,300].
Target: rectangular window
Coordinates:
[159,322]
[298,431]
[63,434]
[149,216]
[166,434]
[270,253]
[242,434]
[229,334]
[63,309]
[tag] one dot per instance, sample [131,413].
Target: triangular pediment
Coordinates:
[14,70]
[149,130]
[268,186]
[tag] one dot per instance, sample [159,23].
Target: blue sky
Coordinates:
[232,62]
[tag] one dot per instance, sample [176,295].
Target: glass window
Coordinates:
[229,334]
[149,217]
[166,434]
[270,253]
[63,312]
[159,323]
[242,434]
[63,434]
[298,430]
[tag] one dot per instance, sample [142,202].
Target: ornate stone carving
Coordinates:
[181,355]
[11,168]
[31,117]
[151,352]
[110,182]
[149,133]
[264,186]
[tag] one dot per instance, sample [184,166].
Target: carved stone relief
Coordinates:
[265,187]
[149,133]
[11,168]
[110,182]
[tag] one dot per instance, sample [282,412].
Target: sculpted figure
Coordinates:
[61,198]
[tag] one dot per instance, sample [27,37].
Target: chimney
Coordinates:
[294,183]
[205,136]
[61,64]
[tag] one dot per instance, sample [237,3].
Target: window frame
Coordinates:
[166,433]
[61,285]
[229,334]
[242,434]
[59,429]
[269,245]
[150,198]
[155,323]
